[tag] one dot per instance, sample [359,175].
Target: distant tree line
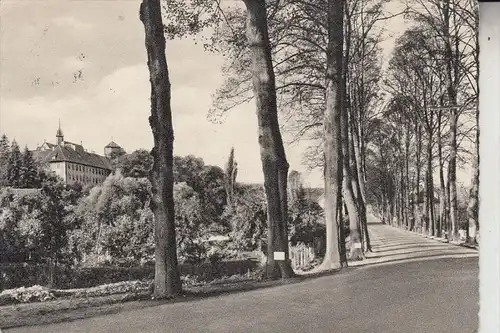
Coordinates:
[18,169]
[113,224]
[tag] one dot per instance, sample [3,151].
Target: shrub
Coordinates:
[26,295]
[17,275]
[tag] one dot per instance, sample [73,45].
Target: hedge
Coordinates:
[15,275]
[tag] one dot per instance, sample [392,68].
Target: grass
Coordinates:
[79,303]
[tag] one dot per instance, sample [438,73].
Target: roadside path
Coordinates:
[390,244]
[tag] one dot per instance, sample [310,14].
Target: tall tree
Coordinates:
[167,281]
[294,185]
[4,159]
[137,164]
[15,164]
[453,24]
[29,171]
[274,163]
[332,137]
[230,174]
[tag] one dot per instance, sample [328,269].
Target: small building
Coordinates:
[112,150]
[73,163]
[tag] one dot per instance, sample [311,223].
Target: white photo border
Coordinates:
[489,184]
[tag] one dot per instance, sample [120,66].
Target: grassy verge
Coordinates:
[79,303]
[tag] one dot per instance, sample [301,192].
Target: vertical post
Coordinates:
[489,188]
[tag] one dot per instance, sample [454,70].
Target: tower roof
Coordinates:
[59,130]
[112,144]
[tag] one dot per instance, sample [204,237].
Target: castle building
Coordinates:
[73,163]
[112,149]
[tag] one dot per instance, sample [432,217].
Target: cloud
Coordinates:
[118,107]
[45,43]
[71,22]
[46,40]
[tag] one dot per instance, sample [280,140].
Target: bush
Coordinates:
[106,289]
[18,275]
[26,295]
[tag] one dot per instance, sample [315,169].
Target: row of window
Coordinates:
[83,179]
[83,168]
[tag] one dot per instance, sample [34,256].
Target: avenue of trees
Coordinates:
[318,65]
[389,135]
[433,121]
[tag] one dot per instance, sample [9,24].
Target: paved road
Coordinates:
[439,295]
[391,244]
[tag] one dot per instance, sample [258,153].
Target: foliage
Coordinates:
[15,164]
[16,275]
[306,220]
[34,225]
[138,164]
[115,218]
[121,287]
[26,295]
[29,175]
[230,174]
[19,169]
[191,224]
[248,218]
[208,182]
[4,159]
[11,241]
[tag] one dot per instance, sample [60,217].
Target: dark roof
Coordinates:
[48,144]
[70,152]
[112,144]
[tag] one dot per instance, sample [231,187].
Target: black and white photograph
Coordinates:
[249,166]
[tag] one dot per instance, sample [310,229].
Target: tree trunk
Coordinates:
[426,216]
[418,218]
[347,187]
[430,189]
[473,207]
[442,187]
[332,139]
[98,241]
[451,68]
[272,151]
[473,211]
[453,176]
[167,281]
[398,197]
[348,193]
[360,183]
[407,178]
[412,208]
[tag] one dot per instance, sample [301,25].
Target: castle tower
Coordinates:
[112,149]
[59,135]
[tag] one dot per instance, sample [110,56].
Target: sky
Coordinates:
[84,63]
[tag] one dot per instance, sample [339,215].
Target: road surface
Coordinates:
[439,295]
